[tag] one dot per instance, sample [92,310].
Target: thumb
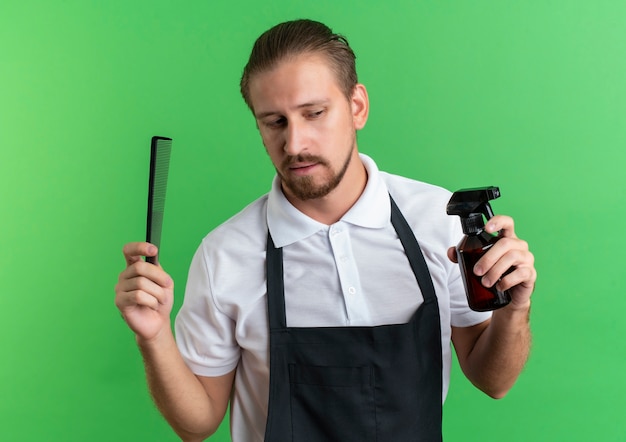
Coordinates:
[134,251]
[452,255]
[152,254]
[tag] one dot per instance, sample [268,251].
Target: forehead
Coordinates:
[299,79]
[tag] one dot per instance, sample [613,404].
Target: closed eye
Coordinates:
[316,114]
[276,122]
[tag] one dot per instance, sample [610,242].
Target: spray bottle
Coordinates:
[471,205]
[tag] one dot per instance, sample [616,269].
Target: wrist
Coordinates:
[162,338]
[515,312]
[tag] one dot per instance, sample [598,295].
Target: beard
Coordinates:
[304,187]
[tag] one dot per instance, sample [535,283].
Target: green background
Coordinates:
[529,96]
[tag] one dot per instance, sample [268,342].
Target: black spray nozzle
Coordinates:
[471,204]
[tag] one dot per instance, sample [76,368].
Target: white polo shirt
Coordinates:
[352,273]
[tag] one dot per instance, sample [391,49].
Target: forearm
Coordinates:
[501,351]
[177,392]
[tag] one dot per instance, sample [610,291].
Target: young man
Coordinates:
[314,310]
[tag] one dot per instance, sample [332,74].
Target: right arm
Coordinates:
[193,405]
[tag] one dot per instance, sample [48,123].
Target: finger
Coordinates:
[522,275]
[503,224]
[497,251]
[138,298]
[141,269]
[134,251]
[136,290]
[452,255]
[499,261]
[505,265]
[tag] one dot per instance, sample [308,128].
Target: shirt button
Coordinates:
[352,290]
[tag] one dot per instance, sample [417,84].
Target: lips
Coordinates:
[302,168]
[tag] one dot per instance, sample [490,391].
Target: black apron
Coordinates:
[361,384]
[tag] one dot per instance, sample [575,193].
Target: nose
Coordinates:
[295,138]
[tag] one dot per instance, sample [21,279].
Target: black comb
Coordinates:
[160,149]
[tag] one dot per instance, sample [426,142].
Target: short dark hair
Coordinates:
[292,38]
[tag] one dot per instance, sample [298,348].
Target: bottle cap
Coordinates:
[473,223]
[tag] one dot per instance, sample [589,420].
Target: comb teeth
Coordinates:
[160,149]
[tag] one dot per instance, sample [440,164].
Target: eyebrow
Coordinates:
[300,106]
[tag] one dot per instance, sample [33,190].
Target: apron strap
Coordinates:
[413,252]
[275,286]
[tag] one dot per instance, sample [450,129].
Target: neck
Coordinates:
[332,207]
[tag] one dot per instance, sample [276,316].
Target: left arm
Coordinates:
[492,354]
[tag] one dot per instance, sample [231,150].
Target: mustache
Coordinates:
[302,158]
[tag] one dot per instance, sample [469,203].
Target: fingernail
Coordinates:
[478,270]
[485,281]
[151,250]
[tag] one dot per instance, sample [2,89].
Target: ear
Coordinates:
[360,106]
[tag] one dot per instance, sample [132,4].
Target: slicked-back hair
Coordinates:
[290,39]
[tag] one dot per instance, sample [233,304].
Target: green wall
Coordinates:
[529,96]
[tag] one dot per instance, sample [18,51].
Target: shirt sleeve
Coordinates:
[204,334]
[460,313]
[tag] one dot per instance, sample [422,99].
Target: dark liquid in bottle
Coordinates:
[479,297]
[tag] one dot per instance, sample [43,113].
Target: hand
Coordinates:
[144,293]
[509,252]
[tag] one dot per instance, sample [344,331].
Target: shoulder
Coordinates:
[424,207]
[238,245]
[229,263]
[417,197]
[245,229]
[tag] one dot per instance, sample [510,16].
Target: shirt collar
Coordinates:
[288,225]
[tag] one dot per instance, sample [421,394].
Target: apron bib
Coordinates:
[361,384]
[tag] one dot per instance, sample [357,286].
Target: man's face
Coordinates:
[307,124]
